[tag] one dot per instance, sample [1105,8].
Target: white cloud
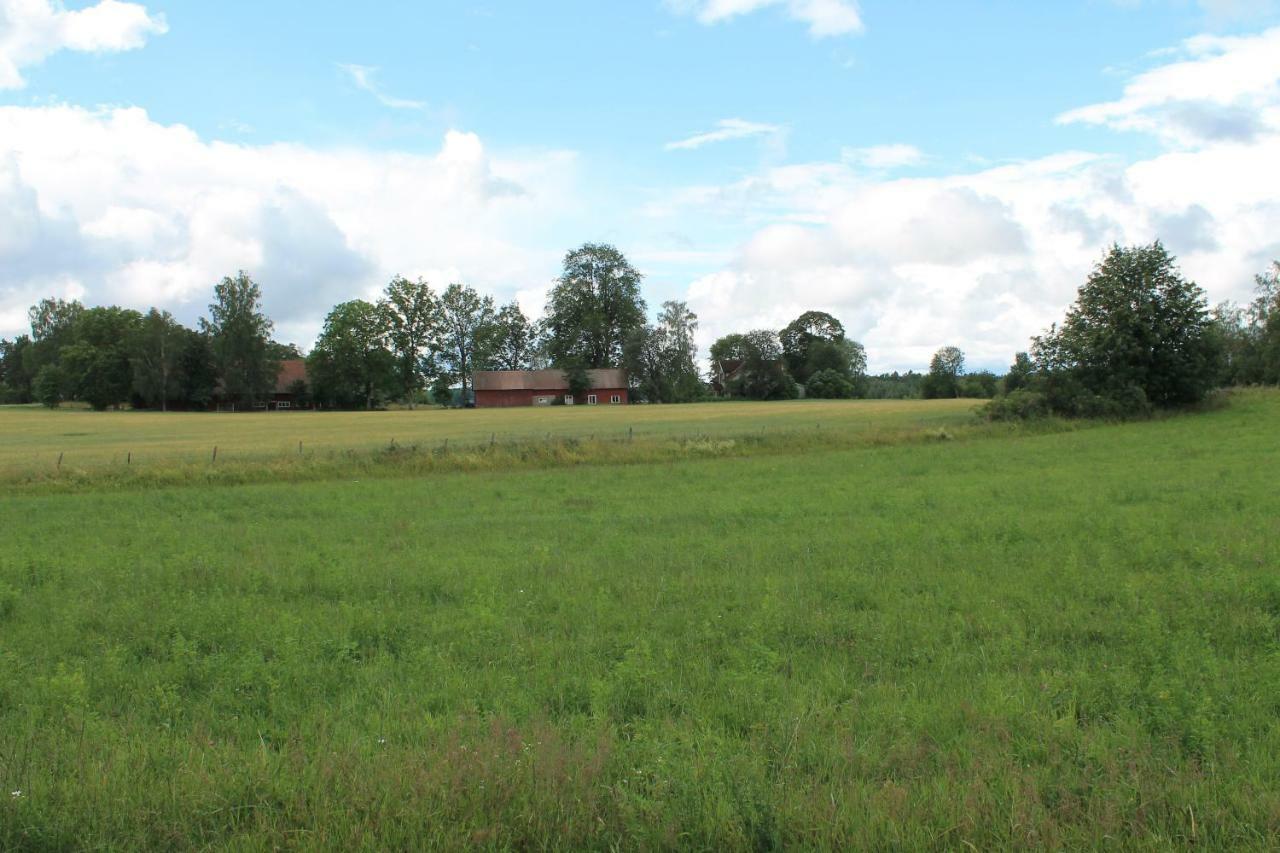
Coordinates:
[118,208]
[986,259]
[878,157]
[1223,88]
[726,129]
[32,30]
[362,76]
[824,17]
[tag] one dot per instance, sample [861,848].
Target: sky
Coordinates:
[934,172]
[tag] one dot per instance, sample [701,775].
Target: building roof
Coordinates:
[291,371]
[544,380]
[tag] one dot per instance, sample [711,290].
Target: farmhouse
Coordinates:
[546,387]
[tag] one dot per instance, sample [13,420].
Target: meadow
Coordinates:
[1056,639]
[33,438]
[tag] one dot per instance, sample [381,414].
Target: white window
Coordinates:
[284,404]
[591,400]
[616,398]
[568,399]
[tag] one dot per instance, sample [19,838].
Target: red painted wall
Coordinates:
[499,399]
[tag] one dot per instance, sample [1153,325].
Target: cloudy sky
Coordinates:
[932,172]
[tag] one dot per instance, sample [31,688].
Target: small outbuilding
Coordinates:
[499,388]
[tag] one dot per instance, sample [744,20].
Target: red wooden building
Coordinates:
[547,387]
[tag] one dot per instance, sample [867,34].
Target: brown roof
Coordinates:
[291,370]
[544,380]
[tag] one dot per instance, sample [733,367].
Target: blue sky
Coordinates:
[929,171]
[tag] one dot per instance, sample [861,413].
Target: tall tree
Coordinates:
[351,363]
[1137,326]
[413,315]
[157,358]
[593,307]
[240,334]
[680,326]
[799,337]
[660,358]
[198,376]
[97,365]
[15,379]
[511,342]
[53,324]
[466,321]
[945,369]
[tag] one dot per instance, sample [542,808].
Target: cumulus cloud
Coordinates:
[1222,88]
[114,207]
[726,129]
[824,17]
[32,30]
[986,259]
[362,76]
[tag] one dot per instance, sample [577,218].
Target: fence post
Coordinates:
[129,459]
[59,461]
[299,448]
[215,454]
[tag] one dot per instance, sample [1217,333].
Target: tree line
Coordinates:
[1139,336]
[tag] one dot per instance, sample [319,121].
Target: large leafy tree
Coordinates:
[466,327]
[660,358]
[801,334]
[157,358]
[97,366]
[945,369]
[1136,326]
[511,340]
[351,363]
[53,327]
[594,307]
[240,335]
[413,316]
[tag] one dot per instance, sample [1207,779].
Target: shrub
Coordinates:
[829,385]
[1020,405]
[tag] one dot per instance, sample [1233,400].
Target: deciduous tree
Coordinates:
[593,307]
[240,334]
[413,314]
[351,363]
[1137,326]
[466,320]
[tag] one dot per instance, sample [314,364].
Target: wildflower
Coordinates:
[382,740]
[15,794]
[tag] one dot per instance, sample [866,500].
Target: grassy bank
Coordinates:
[1063,640]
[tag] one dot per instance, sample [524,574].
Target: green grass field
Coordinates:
[1067,639]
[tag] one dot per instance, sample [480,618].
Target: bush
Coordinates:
[1020,405]
[829,385]
[1062,394]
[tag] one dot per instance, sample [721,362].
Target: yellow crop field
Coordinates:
[33,438]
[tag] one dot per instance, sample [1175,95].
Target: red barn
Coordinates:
[546,387]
